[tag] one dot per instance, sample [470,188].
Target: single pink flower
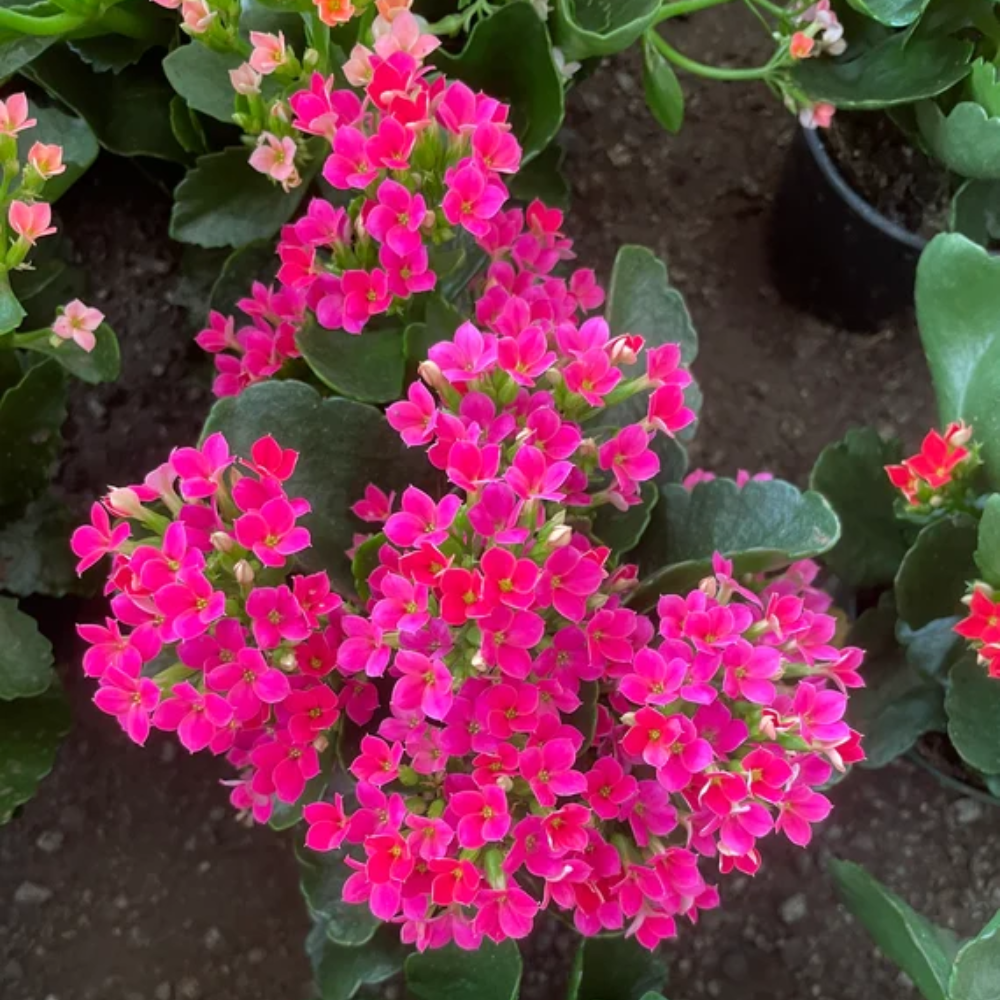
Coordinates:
[275,157]
[609,788]
[473,197]
[249,683]
[31,222]
[548,770]
[425,685]
[269,51]
[46,160]
[378,763]
[483,816]
[271,532]
[79,323]
[92,542]
[194,716]
[397,217]
[327,824]
[130,699]
[14,115]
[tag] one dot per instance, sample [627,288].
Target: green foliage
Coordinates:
[31,730]
[664,95]
[975,211]
[78,142]
[903,935]
[976,972]
[895,70]
[615,968]
[762,527]
[492,972]
[224,202]
[621,531]
[851,475]
[894,13]
[35,556]
[31,415]
[321,879]
[339,971]
[25,654]
[587,28]
[966,141]
[102,364]
[11,310]
[250,263]
[201,76]
[984,82]
[973,706]
[958,310]
[988,548]
[509,56]
[932,577]
[344,446]
[368,368]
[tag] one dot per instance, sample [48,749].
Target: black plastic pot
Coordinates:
[833,255]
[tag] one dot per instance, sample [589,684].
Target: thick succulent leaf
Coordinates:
[932,577]
[201,76]
[509,56]
[491,972]
[966,141]
[102,364]
[35,556]
[321,879]
[344,446]
[893,71]
[543,178]
[988,547]
[31,415]
[11,310]
[18,52]
[851,475]
[903,935]
[973,706]
[31,730]
[893,13]
[975,211]
[368,368]
[664,96]
[79,145]
[615,968]
[341,971]
[587,28]
[761,527]
[250,263]
[25,654]
[898,703]
[984,82]
[129,111]
[621,531]
[112,53]
[976,972]
[224,202]
[958,310]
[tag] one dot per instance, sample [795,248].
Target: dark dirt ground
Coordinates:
[127,879]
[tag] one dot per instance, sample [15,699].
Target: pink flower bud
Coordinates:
[244,573]
[197,15]
[245,79]
[221,541]
[124,502]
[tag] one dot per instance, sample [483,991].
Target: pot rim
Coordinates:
[858,204]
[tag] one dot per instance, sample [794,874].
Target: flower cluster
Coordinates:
[938,475]
[521,738]
[819,32]
[981,628]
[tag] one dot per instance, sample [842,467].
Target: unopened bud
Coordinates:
[288,661]
[321,743]
[560,537]
[222,541]
[478,663]
[623,350]
[245,79]
[310,60]
[244,573]
[433,376]
[408,777]
[629,718]
[125,503]
[279,112]
[959,434]
[709,586]
[506,782]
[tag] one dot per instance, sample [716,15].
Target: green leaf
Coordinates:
[851,475]
[932,577]
[888,73]
[102,364]
[19,52]
[253,262]
[898,704]
[973,707]
[186,127]
[641,300]
[967,141]
[31,415]
[201,76]
[321,879]
[761,527]
[893,13]
[35,556]
[621,532]
[492,972]
[224,202]
[988,548]
[958,311]
[664,96]
[11,311]
[587,28]
[128,111]
[25,654]
[903,935]
[976,972]
[975,211]
[365,561]
[344,446]
[78,143]
[543,178]
[984,82]
[31,730]
[368,368]
[341,971]
[509,56]
[617,968]
[110,53]
[931,649]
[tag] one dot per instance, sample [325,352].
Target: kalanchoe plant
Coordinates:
[36,168]
[920,538]
[933,68]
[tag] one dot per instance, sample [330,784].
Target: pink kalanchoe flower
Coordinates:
[569,578]
[275,157]
[483,816]
[271,532]
[376,507]
[245,80]
[249,682]
[468,355]
[366,294]
[548,770]
[275,617]
[197,16]
[533,477]
[349,165]
[334,12]
[130,699]
[14,115]
[269,51]
[421,521]
[31,222]
[201,469]
[327,824]
[629,457]
[508,580]
[397,217]
[310,712]
[94,541]
[46,160]
[473,197]
[655,679]
[194,716]
[79,323]
[609,788]
[505,913]
[667,411]
[592,376]
[378,763]
[283,768]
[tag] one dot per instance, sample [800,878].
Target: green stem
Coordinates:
[25,24]
[680,7]
[131,24]
[709,72]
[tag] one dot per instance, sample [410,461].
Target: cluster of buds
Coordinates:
[938,476]
[819,32]
[520,737]
[981,628]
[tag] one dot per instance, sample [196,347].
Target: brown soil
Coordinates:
[880,162]
[127,879]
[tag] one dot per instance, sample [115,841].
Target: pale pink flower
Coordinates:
[79,323]
[46,159]
[276,158]
[14,115]
[197,16]
[245,79]
[31,222]
[269,51]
